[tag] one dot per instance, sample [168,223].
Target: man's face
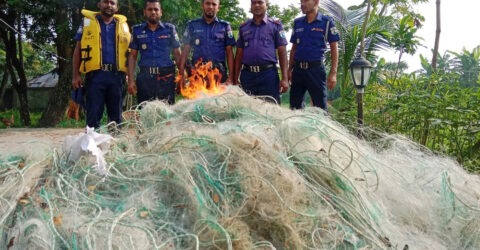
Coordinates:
[211,8]
[259,7]
[308,6]
[153,12]
[108,7]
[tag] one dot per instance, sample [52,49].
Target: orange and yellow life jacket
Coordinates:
[91,43]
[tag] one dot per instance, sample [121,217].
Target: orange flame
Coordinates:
[204,80]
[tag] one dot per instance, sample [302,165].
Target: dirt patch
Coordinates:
[23,137]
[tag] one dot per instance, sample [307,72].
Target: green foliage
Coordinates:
[403,38]
[179,12]
[287,16]
[36,63]
[468,65]
[349,24]
[435,110]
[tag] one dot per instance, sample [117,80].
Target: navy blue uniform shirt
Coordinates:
[108,40]
[259,42]
[311,38]
[155,46]
[208,41]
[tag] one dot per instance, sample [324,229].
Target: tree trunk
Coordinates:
[58,100]
[131,15]
[364,30]
[398,65]
[426,124]
[21,89]
[14,66]
[19,40]
[59,97]
[437,38]
[3,86]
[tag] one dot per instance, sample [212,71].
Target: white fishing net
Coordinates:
[233,172]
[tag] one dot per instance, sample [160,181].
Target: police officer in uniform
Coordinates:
[310,36]
[211,40]
[101,54]
[155,41]
[258,41]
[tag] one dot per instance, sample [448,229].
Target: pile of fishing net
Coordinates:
[234,172]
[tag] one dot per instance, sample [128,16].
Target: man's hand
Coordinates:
[132,88]
[180,84]
[77,81]
[284,85]
[331,81]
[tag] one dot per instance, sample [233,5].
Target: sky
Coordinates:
[459,27]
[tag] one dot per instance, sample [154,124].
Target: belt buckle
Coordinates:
[255,69]
[304,65]
[154,71]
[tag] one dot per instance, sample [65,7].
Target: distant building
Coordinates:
[39,89]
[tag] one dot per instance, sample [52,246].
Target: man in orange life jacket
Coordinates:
[101,53]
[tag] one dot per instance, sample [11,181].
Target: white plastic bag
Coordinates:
[89,143]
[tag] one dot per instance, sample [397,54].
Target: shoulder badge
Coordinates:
[334,30]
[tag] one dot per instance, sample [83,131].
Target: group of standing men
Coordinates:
[104,39]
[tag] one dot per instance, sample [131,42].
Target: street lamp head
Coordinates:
[360,72]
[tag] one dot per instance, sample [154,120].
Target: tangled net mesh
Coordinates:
[233,172]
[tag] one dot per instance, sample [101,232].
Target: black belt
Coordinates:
[257,68]
[108,67]
[307,65]
[157,70]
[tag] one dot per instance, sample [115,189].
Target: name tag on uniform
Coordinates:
[197,31]
[164,37]
[317,29]
[299,30]
[246,32]
[142,36]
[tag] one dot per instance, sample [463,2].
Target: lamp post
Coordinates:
[360,72]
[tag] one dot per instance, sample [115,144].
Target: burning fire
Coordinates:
[204,80]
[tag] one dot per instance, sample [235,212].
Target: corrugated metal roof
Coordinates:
[48,80]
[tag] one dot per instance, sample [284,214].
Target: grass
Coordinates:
[35,118]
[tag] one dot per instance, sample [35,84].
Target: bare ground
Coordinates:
[13,138]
